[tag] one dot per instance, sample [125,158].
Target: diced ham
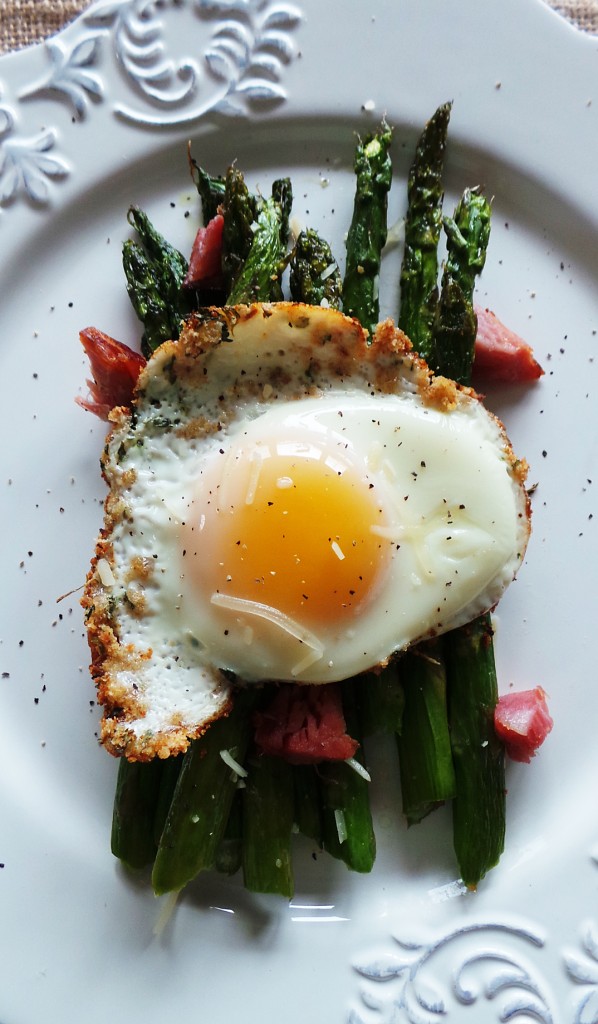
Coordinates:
[305,725]
[205,262]
[501,356]
[115,368]
[522,722]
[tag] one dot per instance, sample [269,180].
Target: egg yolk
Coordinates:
[288,526]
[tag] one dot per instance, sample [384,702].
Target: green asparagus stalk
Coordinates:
[229,852]
[419,271]
[202,800]
[308,816]
[211,189]
[382,702]
[282,193]
[479,806]
[368,230]
[268,811]
[240,210]
[347,828]
[259,277]
[155,272]
[133,838]
[455,324]
[315,277]
[171,768]
[427,776]
[427,773]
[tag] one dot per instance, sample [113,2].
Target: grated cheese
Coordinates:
[166,911]
[341,825]
[277,618]
[234,765]
[296,227]
[256,462]
[358,767]
[337,550]
[107,578]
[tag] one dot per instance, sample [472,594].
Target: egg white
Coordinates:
[454,508]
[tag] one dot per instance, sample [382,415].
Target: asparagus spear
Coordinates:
[202,800]
[315,275]
[240,209]
[171,768]
[479,806]
[419,271]
[133,838]
[258,279]
[282,193]
[347,827]
[267,825]
[368,230]
[308,815]
[382,702]
[229,852]
[427,776]
[211,189]
[455,324]
[155,272]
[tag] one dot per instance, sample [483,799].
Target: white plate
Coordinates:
[99,118]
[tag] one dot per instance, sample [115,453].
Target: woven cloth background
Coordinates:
[29,21]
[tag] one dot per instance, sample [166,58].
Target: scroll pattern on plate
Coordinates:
[246,46]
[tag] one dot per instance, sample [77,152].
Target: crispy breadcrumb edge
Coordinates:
[389,359]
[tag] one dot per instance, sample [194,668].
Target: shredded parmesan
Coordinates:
[234,765]
[396,234]
[276,618]
[105,573]
[255,468]
[310,659]
[357,767]
[341,825]
[328,272]
[166,911]
[337,550]
[296,226]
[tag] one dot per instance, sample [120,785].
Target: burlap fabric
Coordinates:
[29,21]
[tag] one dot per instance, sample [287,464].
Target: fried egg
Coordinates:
[288,501]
